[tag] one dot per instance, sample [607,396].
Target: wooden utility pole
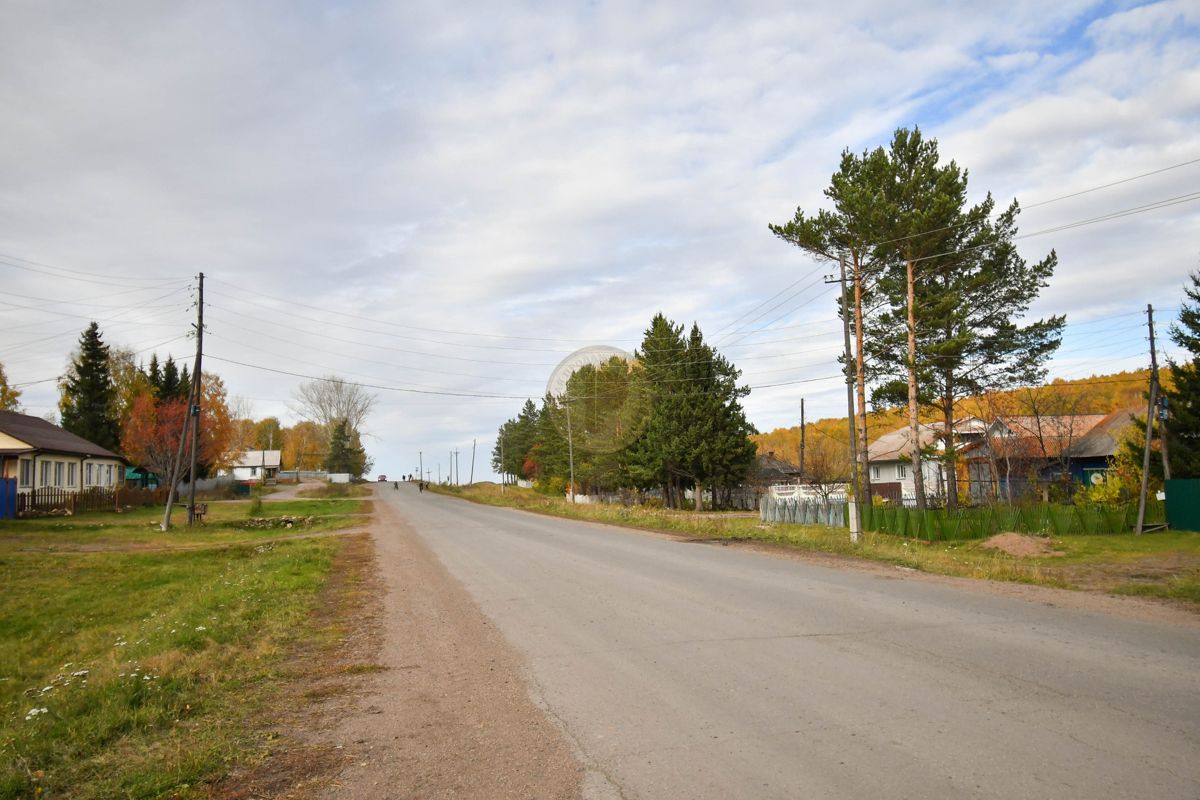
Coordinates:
[195,407]
[472,481]
[802,439]
[173,478]
[570,450]
[1150,414]
[855,520]
[914,423]
[864,472]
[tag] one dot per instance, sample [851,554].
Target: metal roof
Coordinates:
[42,435]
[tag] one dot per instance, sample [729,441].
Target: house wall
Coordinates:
[72,473]
[901,472]
[11,442]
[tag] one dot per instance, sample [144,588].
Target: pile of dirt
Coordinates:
[1020,545]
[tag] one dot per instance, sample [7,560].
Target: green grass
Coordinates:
[1178,587]
[225,523]
[152,667]
[337,490]
[1163,563]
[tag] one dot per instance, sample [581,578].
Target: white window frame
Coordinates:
[26,473]
[45,472]
[59,472]
[875,472]
[71,474]
[89,474]
[901,471]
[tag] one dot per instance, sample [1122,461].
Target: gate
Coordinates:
[8,498]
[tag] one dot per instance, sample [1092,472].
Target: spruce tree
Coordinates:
[185,384]
[155,375]
[1183,397]
[339,458]
[168,387]
[88,404]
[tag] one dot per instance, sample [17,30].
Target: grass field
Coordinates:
[134,673]
[1162,564]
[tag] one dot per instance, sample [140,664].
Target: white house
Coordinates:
[38,454]
[890,458]
[256,466]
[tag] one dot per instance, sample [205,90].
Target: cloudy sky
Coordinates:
[450,199]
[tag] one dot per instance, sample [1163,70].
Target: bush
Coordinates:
[255,507]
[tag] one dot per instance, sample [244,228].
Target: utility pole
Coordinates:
[570,452]
[864,472]
[503,475]
[420,466]
[472,480]
[801,439]
[173,478]
[855,516]
[1151,413]
[195,409]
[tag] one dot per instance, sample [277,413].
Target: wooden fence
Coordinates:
[49,498]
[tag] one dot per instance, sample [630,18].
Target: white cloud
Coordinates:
[556,173]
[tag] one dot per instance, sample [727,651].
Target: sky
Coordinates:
[443,201]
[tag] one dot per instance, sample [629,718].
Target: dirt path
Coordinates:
[447,713]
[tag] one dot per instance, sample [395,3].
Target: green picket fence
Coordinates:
[1047,519]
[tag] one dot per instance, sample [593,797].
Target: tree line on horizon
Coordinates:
[109,398]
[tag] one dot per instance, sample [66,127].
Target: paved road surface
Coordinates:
[685,670]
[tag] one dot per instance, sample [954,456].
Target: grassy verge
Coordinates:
[226,523]
[143,674]
[337,490]
[1162,564]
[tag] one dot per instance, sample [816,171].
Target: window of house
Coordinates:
[875,472]
[59,471]
[45,479]
[108,475]
[253,471]
[71,474]
[901,471]
[27,472]
[89,474]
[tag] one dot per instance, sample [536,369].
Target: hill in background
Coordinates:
[1098,394]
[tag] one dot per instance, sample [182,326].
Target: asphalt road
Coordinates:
[690,670]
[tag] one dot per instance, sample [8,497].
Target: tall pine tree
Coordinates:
[1183,398]
[88,403]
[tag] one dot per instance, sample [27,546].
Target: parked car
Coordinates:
[382,478]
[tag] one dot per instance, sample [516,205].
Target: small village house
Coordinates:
[40,455]
[1021,455]
[256,466]
[889,459]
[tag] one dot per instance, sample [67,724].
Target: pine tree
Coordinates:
[1183,398]
[88,403]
